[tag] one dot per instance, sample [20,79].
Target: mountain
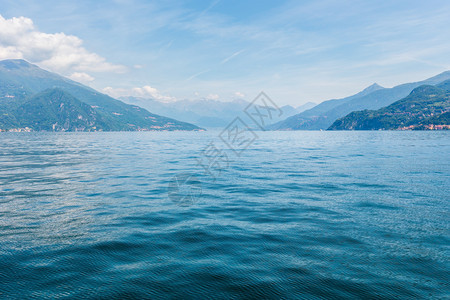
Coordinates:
[373,97]
[205,112]
[426,107]
[304,107]
[20,81]
[53,110]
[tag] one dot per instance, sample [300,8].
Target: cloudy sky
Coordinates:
[296,51]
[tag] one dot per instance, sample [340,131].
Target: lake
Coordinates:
[288,215]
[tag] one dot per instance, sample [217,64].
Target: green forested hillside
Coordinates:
[54,110]
[427,107]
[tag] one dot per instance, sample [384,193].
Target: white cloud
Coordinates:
[239,95]
[148,91]
[10,52]
[81,77]
[116,92]
[56,52]
[142,92]
[212,97]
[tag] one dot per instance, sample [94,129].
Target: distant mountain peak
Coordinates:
[368,90]
[373,87]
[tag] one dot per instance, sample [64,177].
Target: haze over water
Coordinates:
[299,214]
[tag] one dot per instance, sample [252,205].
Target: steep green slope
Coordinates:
[57,110]
[21,79]
[424,108]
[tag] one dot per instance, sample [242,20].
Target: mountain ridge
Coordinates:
[426,107]
[324,114]
[206,113]
[20,80]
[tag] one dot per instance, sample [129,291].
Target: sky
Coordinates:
[295,51]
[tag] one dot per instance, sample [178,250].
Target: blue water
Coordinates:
[319,215]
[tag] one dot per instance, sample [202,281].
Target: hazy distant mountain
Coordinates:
[426,107]
[373,97]
[204,112]
[304,107]
[20,80]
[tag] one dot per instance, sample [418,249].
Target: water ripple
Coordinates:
[320,215]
